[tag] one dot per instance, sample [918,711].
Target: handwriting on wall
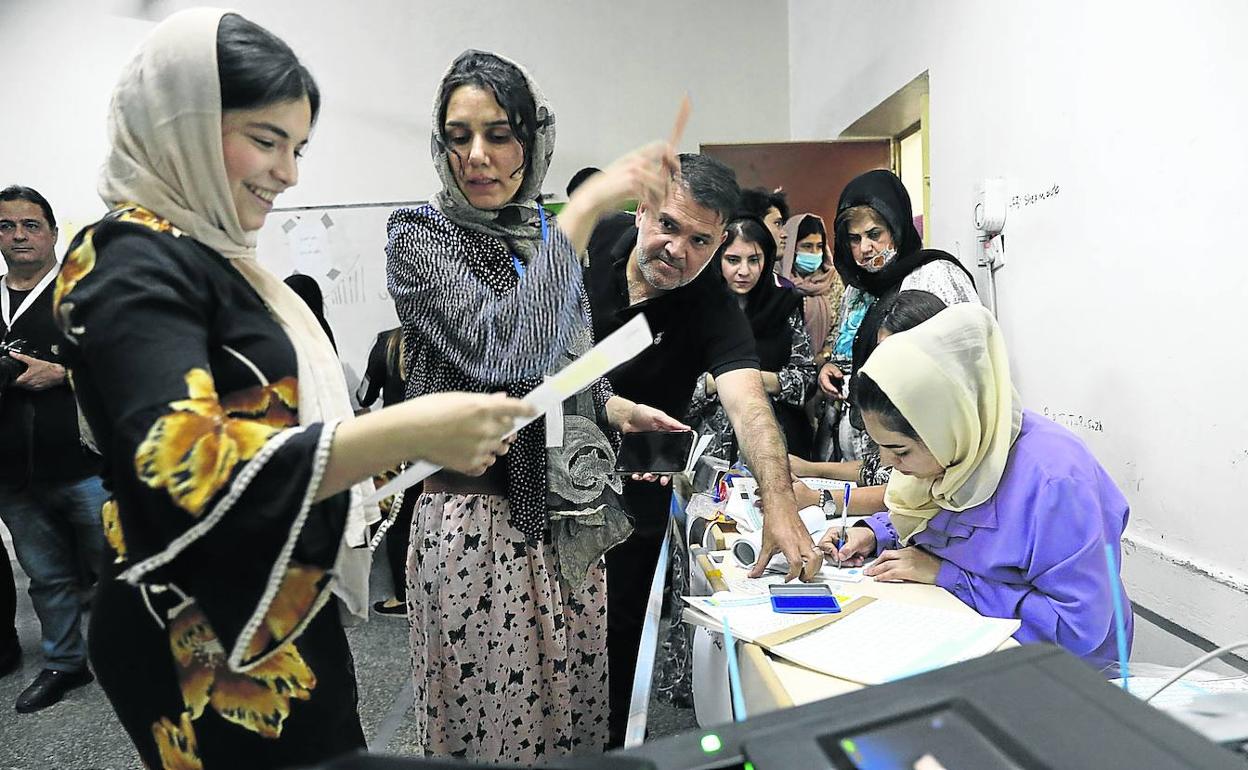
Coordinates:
[1031,199]
[1075,421]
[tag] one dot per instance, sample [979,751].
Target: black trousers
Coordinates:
[397,538]
[8,600]
[630,569]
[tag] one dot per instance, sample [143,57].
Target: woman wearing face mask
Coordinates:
[506,588]
[807,263]
[746,262]
[877,251]
[1002,507]
[221,411]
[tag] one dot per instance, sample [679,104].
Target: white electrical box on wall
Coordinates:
[991,204]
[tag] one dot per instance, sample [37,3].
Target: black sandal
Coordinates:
[397,610]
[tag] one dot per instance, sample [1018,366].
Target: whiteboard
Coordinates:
[344,249]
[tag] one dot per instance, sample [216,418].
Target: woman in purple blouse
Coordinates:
[1002,507]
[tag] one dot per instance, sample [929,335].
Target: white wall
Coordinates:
[1123,293]
[60,60]
[614,73]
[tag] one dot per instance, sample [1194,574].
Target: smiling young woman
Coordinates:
[262,148]
[222,414]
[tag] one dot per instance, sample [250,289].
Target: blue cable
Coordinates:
[1120,618]
[734,675]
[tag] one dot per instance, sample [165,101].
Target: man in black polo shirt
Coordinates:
[50,495]
[653,263]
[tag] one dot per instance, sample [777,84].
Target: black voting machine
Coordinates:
[1032,708]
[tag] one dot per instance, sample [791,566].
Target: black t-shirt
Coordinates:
[16,298]
[698,327]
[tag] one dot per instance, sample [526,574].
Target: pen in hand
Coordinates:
[844,535]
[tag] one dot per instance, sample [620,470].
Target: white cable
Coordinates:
[1202,660]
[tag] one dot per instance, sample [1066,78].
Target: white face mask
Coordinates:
[879,261]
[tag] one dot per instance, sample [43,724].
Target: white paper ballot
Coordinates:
[625,343]
[749,615]
[888,640]
[832,485]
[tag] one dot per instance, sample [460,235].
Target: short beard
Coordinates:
[652,276]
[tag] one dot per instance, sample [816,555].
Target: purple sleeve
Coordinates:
[1065,598]
[885,533]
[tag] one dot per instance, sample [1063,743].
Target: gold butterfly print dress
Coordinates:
[209,633]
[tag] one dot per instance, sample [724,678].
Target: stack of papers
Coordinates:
[749,615]
[888,640]
[871,641]
[1183,693]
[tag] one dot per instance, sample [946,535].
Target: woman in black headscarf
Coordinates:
[746,262]
[878,252]
[310,292]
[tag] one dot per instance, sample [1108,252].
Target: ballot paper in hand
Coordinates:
[620,346]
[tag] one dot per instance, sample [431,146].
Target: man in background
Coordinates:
[50,495]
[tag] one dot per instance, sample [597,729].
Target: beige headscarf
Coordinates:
[950,378]
[166,155]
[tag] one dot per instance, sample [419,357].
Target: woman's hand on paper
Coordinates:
[911,564]
[859,545]
[801,467]
[462,431]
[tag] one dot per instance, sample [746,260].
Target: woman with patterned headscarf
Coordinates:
[878,252]
[1007,510]
[236,468]
[506,588]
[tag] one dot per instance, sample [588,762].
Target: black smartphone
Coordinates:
[655,452]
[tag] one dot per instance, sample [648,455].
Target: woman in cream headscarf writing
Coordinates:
[1002,507]
[221,411]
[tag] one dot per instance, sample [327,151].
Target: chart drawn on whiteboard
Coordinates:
[344,249]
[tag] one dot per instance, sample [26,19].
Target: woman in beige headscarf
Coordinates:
[222,414]
[1002,507]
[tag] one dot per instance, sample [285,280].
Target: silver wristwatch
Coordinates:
[828,503]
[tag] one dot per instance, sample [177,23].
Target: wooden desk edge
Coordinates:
[763,689]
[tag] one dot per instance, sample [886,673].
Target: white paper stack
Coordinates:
[888,640]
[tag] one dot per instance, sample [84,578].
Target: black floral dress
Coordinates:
[209,632]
